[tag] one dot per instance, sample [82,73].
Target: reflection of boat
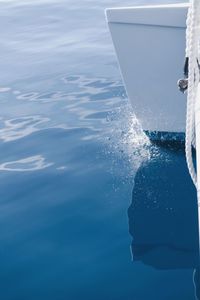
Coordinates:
[163,216]
[150,46]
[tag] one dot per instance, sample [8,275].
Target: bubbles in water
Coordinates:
[126,139]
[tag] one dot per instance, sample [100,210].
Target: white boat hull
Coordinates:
[150,46]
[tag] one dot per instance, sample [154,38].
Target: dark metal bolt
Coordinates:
[183,85]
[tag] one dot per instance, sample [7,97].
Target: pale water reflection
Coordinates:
[33,163]
[18,128]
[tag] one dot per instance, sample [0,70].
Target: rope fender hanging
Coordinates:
[191,70]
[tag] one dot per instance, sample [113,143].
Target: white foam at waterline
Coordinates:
[126,139]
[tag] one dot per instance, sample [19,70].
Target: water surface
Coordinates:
[89,209]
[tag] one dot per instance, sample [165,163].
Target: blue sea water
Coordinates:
[89,208]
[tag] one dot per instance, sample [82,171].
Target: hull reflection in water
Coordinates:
[163,217]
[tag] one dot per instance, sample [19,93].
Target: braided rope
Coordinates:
[192,46]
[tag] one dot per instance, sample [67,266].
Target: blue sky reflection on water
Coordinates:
[74,164]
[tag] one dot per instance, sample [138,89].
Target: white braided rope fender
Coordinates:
[192,46]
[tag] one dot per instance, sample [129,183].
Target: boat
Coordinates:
[156,45]
[150,45]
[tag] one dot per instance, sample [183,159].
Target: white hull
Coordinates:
[150,46]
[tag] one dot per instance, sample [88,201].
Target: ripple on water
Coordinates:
[17,128]
[98,89]
[32,163]
[4,89]
[79,101]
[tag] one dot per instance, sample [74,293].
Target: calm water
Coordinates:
[89,209]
